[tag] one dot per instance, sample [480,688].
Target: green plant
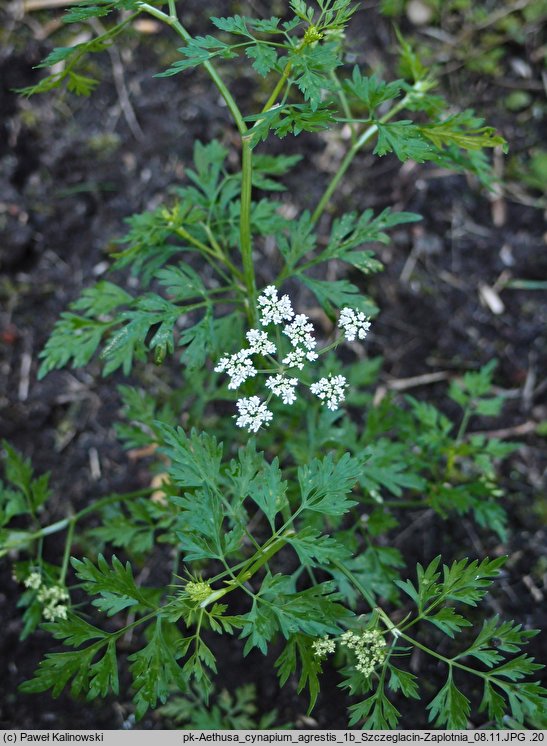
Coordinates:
[275,523]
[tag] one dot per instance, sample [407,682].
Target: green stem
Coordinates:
[277,90]
[68,546]
[215,77]
[467,414]
[356,147]
[245,226]
[257,561]
[351,577]
[447,661]
[54,528]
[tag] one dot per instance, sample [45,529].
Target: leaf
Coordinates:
[20,474]
[299,653]
[405,140]
[285,119]
[195,458]
[372,91]
[464,130]
[101,299]
[450,707]
[448,621]
[57,669]
[315,549]
[268,491]
[377,712]
[200,526]
[324,484]
[333,294]
[182,282]
[114,584]
[199,50]
[299,241]
[311,66]
[197,342]
[265,58]
[155,670]
[404,682]
[73,338]
[313,611]
[233,24]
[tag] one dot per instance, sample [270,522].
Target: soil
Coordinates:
[72,169]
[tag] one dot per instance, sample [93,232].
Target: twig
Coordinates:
[525,428]
[119,82]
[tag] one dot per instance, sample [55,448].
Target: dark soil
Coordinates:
[72,169]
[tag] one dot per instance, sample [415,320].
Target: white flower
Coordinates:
[54,612]
[238,367]
[283,387]
[330,390]
[34,581]
[259,343]
[273,308]
[323,646]
[299,332]
[354,324]
[253,413]
[296,358]
[369,646]
[53,600]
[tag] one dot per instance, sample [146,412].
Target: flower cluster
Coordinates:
[52,597]
[330,390]
[198,591]
[369,647]
[253,411]
[324,646]
[354,323]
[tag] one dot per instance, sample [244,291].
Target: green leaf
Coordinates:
[181,282]
[311,66]
[199,50]
[233,24]
[155,671]
[298,653]
[463,130]
[197,342]
[450,707]
[284,119]
[377,712]
[372,92]
[405,140]
[73,338]
[101,299]
[314,549]
[325,484]
[404,682]
[114,584]
[299,240]
[20,474]
[334,294]
[57,669]
[265,58]
[268,491]
[448,621]
[195,458]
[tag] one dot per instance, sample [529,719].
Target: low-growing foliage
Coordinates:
[278,492]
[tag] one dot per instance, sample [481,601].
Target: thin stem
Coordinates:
[277,90]
[217,80]
[344,103]
[467,414]
[351,577]
[356,147]
[245,226]
[68,546]
[54,528]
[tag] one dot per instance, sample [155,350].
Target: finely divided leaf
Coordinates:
[325,484]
